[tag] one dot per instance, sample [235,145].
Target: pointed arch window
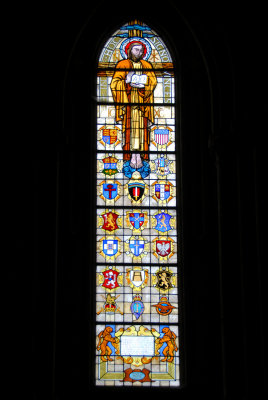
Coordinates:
[137,258]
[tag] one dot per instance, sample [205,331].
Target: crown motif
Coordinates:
[164,299]
[137,297]
[110,307]
[109,159]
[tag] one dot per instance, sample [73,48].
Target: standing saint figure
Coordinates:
[132,86]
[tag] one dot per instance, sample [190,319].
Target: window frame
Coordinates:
[179,214]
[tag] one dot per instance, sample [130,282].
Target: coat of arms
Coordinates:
[109,247]
[137,278]
[109,136]
[110,221]
[110,279]
[164,280]
[109,165]
[110,191]
[163,247]
[163,222]
[161,137]
[162,166]
[110,307]
[163,191]
[164,307]
[136,188]
[137,247]
[137,306]
[136,220]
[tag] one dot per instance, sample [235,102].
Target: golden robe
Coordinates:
[134,106]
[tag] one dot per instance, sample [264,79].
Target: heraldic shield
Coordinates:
[136,188]
[162,223]
[164,279]
[109,136]
[161,138]
[137,278]
[137,220]
[110,166]
[162,166]
[137,247]
[162,191]
[109,191]
[137,306]
[109,247]
[163,247]
[109,221]
[110,279]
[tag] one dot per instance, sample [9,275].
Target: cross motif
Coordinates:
[110,189]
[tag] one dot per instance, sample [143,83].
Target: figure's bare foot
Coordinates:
[136,161]
[133,161]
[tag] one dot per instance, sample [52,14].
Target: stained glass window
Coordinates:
[137,308]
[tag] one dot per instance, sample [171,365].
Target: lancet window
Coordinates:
[137,257]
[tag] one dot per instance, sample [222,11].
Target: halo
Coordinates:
[126,43]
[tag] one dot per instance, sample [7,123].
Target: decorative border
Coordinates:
[169,375]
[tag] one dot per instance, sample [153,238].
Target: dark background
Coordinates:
[219,52]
